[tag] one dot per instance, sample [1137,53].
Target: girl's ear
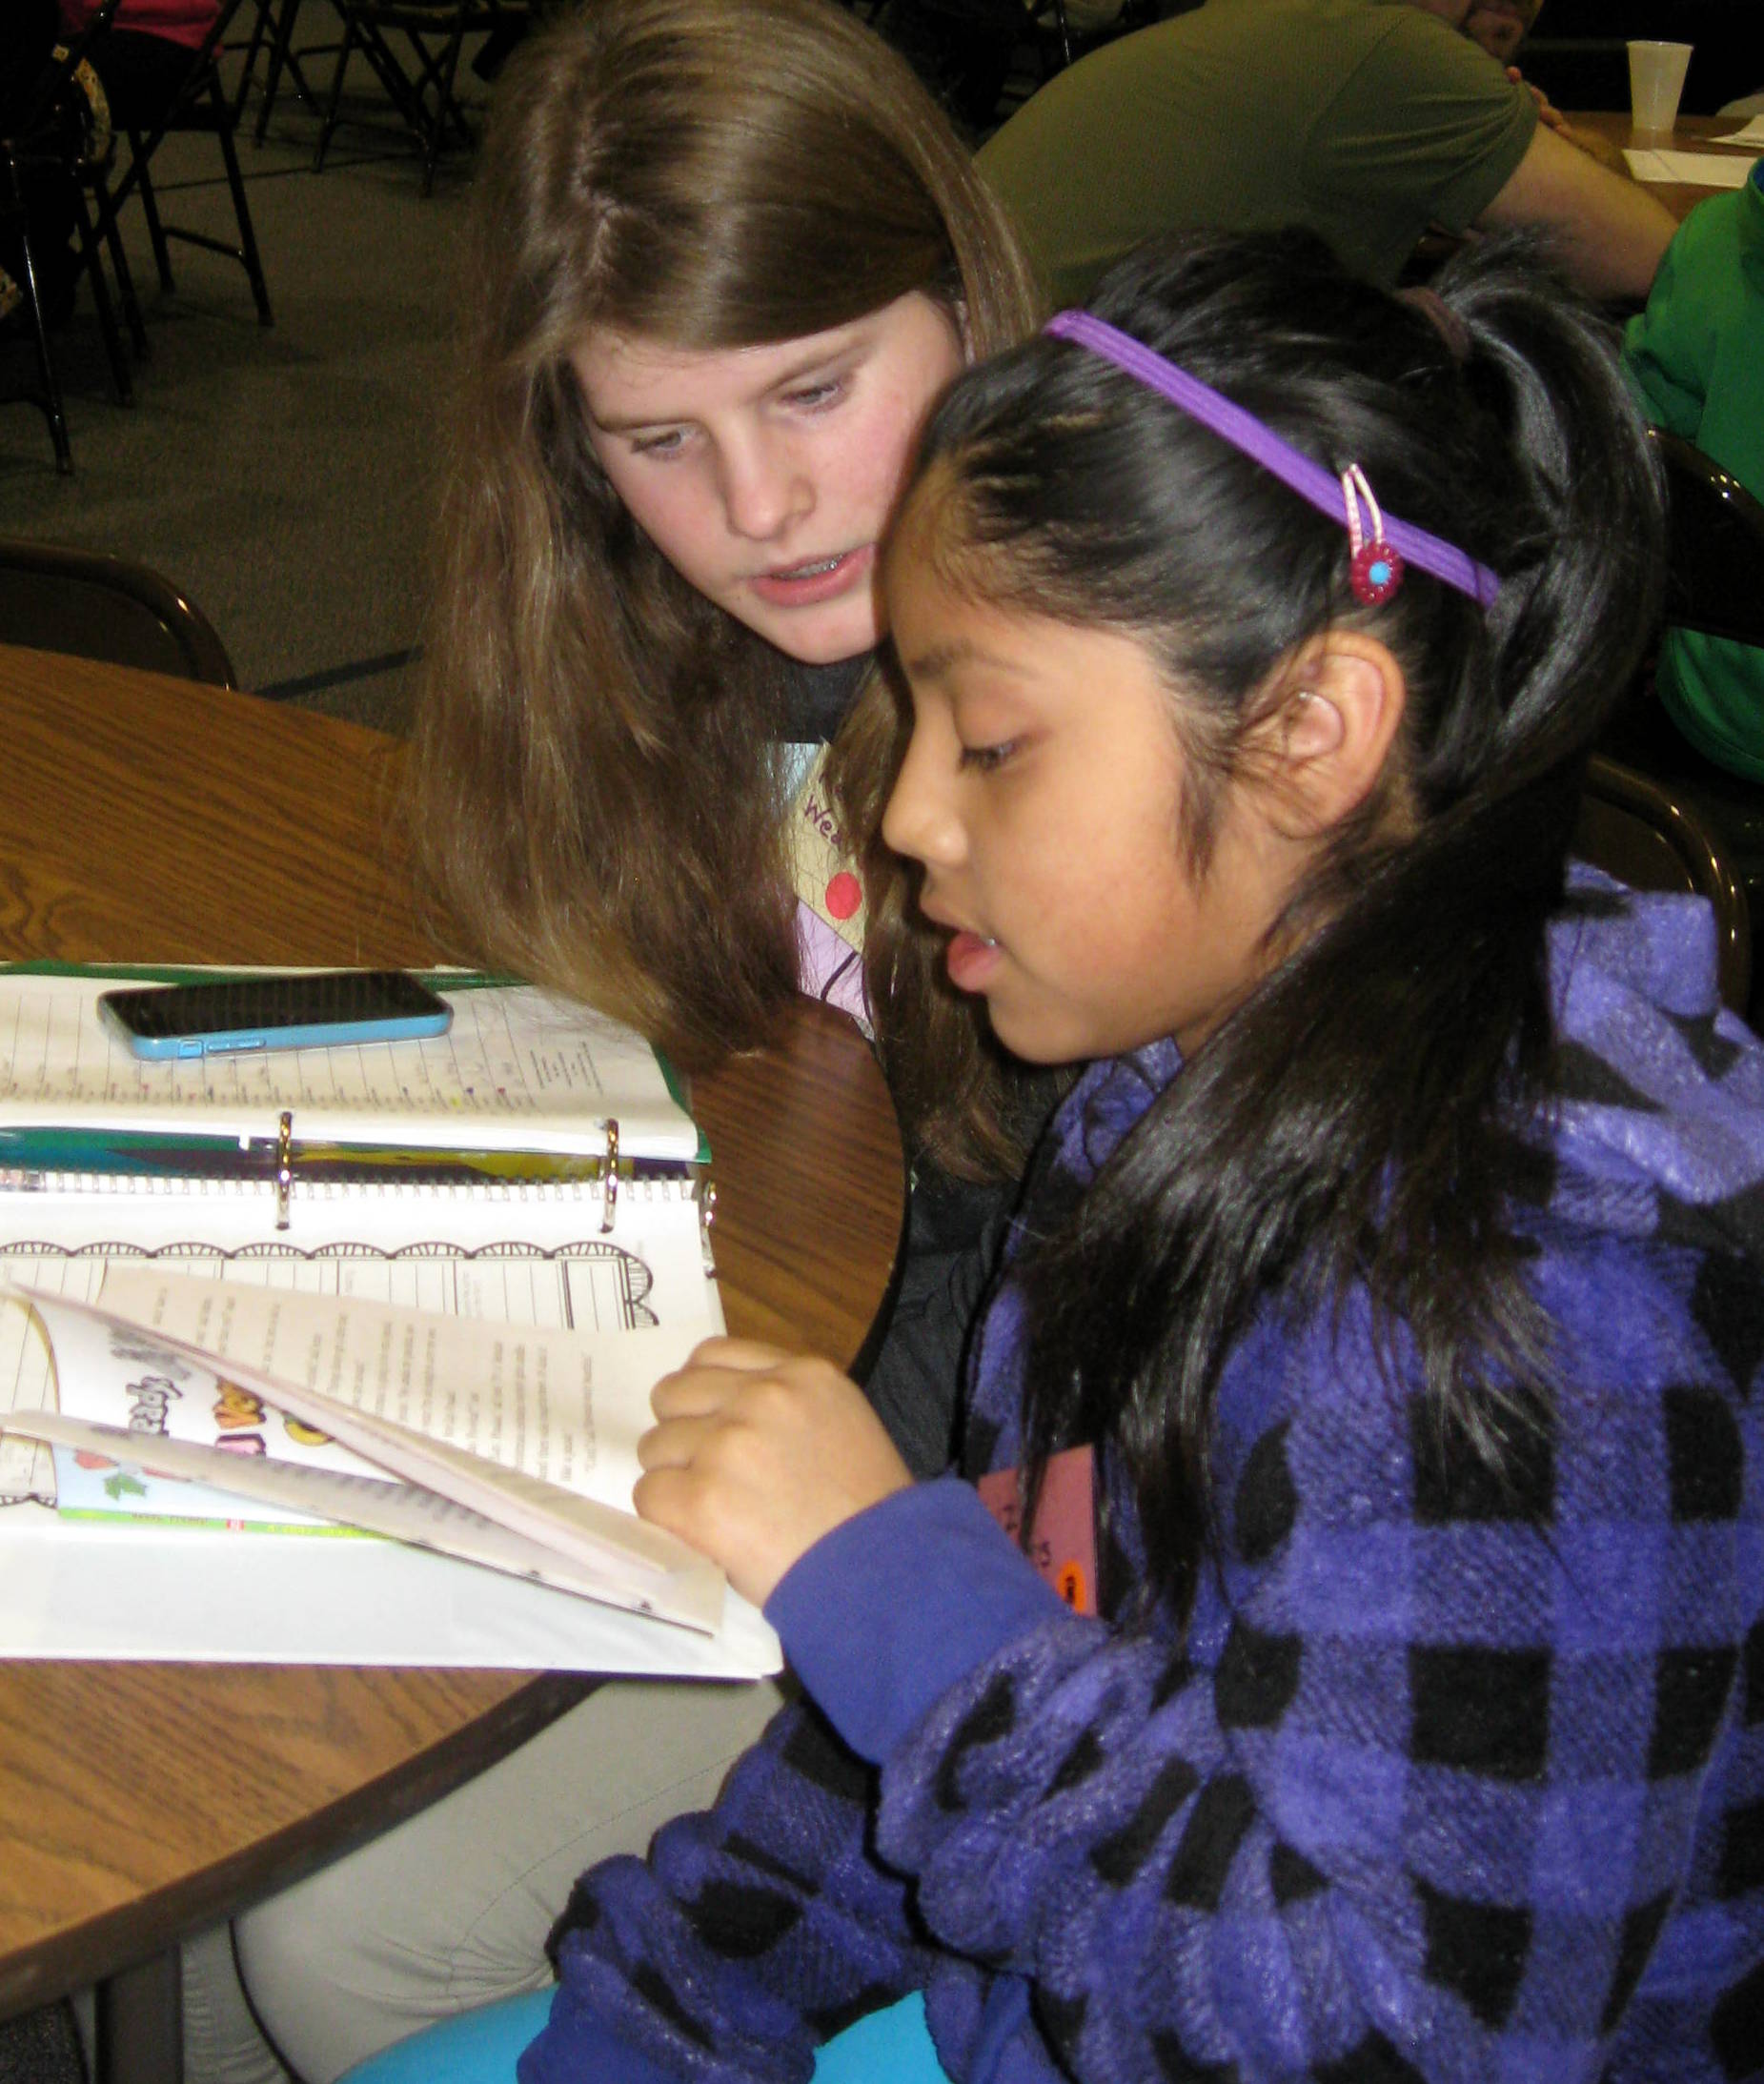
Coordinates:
[1333,721]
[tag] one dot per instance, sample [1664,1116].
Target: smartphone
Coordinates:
[310,1011]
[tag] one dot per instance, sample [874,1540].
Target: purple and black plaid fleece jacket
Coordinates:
[1446,1780]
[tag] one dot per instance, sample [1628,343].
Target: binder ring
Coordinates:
[610,1197]
[284,1167]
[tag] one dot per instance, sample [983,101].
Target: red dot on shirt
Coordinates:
[844,894]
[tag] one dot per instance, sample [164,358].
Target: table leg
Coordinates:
[140,2024]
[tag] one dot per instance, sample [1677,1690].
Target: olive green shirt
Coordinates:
[1367,120]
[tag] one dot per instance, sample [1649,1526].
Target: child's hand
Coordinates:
[756,1453]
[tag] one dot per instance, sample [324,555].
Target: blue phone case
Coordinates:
[313,1035]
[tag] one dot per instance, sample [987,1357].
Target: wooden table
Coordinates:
[1690,133]
[149,818]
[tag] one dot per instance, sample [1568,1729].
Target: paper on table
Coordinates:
[1752,134]
[72,1590]
[1690,168]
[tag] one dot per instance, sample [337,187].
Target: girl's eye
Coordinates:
[987,760]
[814,396]
[662,446]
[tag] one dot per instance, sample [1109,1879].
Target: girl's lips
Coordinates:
[801,588]
[971,962]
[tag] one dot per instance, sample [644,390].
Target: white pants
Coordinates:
[451,1908]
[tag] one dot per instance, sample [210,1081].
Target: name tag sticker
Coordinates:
[822,870]
[1062,1542]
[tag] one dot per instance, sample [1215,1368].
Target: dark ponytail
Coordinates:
[1361,1119]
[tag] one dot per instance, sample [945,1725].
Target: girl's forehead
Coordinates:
[628,373]
[610,361]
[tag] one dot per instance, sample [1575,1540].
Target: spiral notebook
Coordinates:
[570,1198]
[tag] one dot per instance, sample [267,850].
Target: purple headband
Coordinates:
[1376,557]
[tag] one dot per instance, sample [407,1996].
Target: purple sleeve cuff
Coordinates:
[884,1616]
[575,2046]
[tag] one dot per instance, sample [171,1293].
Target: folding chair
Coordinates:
[40,142]
[1715,562]
[202,105]
[1637,830]
[56,599]
[1715,583]
[273,28]
[435,31]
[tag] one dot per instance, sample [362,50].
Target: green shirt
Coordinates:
[1696,354]
[1367,120]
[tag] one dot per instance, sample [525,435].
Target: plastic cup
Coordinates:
[1656,80]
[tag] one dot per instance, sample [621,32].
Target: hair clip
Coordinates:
[1374,569]
[1315,483]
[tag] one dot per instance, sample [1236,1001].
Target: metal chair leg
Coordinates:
[45,364]
[124,281]
[263,31]
[91,257]
[253,44]
[248,238]
[336,92]
[281,60]
[155,231]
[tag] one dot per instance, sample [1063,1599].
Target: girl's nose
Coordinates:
[765,491]
[919,819]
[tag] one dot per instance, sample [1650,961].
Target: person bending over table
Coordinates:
[726,254]
[1501,27]
[1368,121]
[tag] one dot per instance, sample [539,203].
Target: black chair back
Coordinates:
[1643,833]
[1716,560]
[56,598]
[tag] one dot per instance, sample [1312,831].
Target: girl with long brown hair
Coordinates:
[725,254]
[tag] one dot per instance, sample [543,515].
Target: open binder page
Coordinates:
[518,1070]
[523,1254]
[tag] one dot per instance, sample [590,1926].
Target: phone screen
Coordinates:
[319,1009]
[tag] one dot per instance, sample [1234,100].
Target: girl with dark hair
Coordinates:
[1373,1686]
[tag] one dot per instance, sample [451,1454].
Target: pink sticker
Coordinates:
[1061,1541]
[844,894]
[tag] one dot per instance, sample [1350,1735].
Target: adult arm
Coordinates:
[1607,231]
[1606,150]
